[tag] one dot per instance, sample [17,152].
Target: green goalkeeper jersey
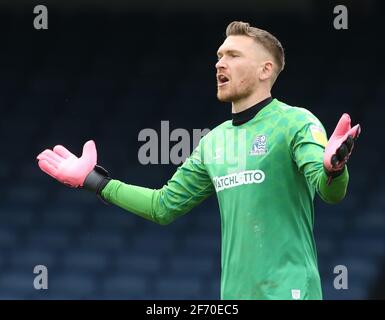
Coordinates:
[265,173]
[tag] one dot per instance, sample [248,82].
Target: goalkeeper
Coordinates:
[265,166]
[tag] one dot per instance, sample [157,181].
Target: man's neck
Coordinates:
[241,105]
[248,114]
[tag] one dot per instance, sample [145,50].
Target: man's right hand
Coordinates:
[67,168]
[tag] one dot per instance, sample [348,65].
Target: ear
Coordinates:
[266,70]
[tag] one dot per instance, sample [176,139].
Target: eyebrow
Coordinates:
[219,52]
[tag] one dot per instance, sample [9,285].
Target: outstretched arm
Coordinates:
[323,162]
[188,187]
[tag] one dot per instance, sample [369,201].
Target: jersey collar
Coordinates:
[242,117]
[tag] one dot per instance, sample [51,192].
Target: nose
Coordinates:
[220,64]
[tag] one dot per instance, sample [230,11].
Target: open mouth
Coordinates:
[222,80]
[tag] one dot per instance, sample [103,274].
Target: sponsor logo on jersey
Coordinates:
[259,146]
[236,179]
[318,135]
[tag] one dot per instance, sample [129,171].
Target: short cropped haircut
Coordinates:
[264,38]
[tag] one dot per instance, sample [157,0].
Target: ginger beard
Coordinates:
[229,89]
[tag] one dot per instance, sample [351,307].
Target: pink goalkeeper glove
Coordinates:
[67,168]
[340,146]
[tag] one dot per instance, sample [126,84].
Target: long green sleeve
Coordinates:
[188,187]
[336,190]
[308,151]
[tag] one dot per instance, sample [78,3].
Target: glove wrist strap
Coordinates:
[333,174]
[96,180]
